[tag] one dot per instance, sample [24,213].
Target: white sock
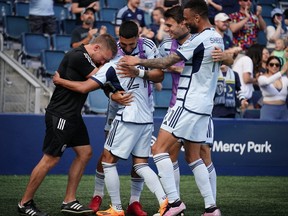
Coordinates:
[112,183]
[136,189]
[99,184]
[151,180]
[165,173]
[202,180]
[177,176]
[213,179]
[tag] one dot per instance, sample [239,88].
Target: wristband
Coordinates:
[110,95]
[141,73]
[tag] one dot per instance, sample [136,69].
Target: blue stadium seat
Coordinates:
[110,27]
[266,10]
[33,44]
[50,60]
[167,82]
[162,98]
[97,102]
[61,42]
[6,9]
[14,26]
[22,9]
[116,3]
[61,12]
[108,14]
[68,25]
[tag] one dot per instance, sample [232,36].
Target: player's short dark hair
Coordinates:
[175,13]
[128,29]
[198,6]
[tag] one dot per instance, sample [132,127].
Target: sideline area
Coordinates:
[241,147]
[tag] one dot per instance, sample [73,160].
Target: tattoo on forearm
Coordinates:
[161,62]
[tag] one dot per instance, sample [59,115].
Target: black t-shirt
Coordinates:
[78,34]
[76,65]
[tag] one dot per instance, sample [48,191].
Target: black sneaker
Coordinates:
[75,208]
[29,208]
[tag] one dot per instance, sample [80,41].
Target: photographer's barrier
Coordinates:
[241,147]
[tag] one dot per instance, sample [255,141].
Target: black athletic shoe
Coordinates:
[29,208]
[75,208]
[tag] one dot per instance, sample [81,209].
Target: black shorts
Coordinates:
[62,133]
[43,24]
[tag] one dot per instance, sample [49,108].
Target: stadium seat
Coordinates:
[68,25]
[6,9]
[108,14]
[261,38]
[266,10]
[14,26]
[167,82]
[50,60]
[61,42]
[32,45]
[103,4]
[61,12]
[162,98]
[22,9]
[110,27]
[116,3]
[97,102]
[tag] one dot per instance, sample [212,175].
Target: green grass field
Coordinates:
[237,196]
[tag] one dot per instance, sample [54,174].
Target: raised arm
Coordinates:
[160,63]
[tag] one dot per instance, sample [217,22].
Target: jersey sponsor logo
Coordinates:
[61,124]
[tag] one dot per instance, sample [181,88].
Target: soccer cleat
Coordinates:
[212,211]
[174,209]
[163,207]
[75,207]
[136,209]
[95,203]
[110,212]
[29,208]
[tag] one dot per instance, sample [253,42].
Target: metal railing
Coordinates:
[20,90]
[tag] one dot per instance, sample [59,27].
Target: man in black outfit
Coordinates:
[65,126]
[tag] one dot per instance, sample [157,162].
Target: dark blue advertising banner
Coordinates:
[241,147]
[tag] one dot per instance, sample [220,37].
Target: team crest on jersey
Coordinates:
[89,59]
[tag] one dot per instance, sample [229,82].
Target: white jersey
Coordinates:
[198,80]
[139,111]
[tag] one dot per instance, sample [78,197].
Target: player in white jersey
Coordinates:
[179,33]
[189,118]
[131,130]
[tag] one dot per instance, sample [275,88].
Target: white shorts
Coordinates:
[129,138]
[188,126]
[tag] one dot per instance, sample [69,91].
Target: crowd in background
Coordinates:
[240,23]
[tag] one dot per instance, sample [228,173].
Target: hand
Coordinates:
[258,10]
[127,71]
[129,61]
[103,30]
[123,98]
[56,78]
[218,54]
[244,104]
[92,32]
[247,12]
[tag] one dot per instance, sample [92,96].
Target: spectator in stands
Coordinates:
[227,94]
[265,56]
[276,30]
[245,25]
[274,88]
[158,25]
[41,17]
[280,50]
[248,69]
[214,6]
[78,6]
[85,33]
[130,11]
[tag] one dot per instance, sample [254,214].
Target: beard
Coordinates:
[193,29]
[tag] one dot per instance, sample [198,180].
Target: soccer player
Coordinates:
[179,33]
[188,120]
[129,44]
[65,126]
[132,127]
